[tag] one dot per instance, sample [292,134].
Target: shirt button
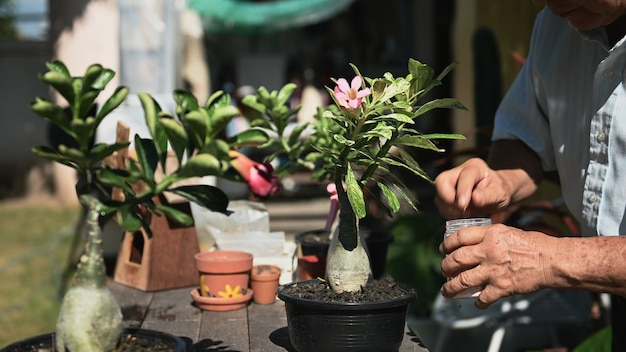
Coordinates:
[608,73]
[601,137]
[592,198]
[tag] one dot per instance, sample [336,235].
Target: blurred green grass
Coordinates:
[34,245]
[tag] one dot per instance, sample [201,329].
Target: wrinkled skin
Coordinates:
[504,260]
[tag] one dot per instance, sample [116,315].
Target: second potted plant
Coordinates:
[90,318]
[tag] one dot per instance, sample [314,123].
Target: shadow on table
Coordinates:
[208,345]
[280,337]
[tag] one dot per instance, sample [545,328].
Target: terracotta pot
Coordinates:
[223,273]
[311,267]
[220,304]
[264,282]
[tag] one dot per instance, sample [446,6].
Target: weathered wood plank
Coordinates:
[173,311]
[134,303]
[258,328]
[224,331]
[267,326]
[411,342]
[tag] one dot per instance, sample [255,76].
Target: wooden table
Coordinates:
[254,329]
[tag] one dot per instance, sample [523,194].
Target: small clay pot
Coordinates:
[220,304]
[264,280]
[223,273]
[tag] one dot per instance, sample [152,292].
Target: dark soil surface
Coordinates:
[129,343]
[375,290]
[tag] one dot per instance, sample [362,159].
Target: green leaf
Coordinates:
[296,133]
[177,136]
[53,113]
[195,123]
[417,141]
[116,178]
[446,71]
[252,108]
[207,196]
[59,67]
[176,215]
[185,100]
[200,165]
[220,118]
[249,137]
[147,156]
[214,98]
[115,100]
[394,89]
[128,220]
[103,79]
[422,74]
[392,199]
[102,150]
[91,75]
[445,103]
[443,136]
[73,154]
[62,83]
[151,113]
[285,93]
[355,194]
[343,140]
[86,103]
[51,154]
[83,130]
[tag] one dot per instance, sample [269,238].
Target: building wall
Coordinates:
[20,129]
[511,23]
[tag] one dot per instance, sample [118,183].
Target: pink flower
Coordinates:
[260,177]
[331,188]
[349,96]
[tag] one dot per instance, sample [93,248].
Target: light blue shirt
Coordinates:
[569,105]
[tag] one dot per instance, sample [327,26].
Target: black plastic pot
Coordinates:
[316,242]
[46,342]
[342,327]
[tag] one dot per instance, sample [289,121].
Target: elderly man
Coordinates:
[565,112]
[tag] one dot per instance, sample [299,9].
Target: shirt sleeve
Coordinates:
[520,115]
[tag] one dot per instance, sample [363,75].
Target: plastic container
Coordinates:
[455,225]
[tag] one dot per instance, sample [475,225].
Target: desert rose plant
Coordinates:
[356,143]
[90,319]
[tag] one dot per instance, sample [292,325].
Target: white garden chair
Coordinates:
[549,308]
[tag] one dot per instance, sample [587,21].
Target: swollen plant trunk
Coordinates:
[90,319]
[348,265]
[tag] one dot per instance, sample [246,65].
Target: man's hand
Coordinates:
[471,189]
[476,188]
[502,260]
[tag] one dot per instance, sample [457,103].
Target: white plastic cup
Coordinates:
[454,226]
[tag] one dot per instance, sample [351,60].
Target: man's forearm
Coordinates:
[591,263]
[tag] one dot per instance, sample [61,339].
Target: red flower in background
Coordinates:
[260,177]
